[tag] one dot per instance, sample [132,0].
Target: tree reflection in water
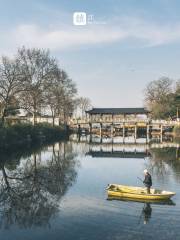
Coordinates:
[30,192]
[164,160]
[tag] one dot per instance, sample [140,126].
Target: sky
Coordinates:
[124,45]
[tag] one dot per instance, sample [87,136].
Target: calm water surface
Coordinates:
[58,192]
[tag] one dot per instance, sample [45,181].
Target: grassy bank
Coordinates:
[23,134]
[176,134]
[176,131]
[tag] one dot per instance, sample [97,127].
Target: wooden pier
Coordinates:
[122,122]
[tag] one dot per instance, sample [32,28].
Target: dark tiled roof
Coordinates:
[118,111]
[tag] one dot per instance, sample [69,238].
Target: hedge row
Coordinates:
[23,133]
[176,131]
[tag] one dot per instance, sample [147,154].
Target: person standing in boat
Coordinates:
[147,181]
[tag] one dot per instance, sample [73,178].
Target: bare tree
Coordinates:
[83,104]
[158,97]
[37,68]
[33,81]
[68,99]
[61,96]
[11,84]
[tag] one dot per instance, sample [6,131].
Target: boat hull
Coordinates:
[156,202]
[128,192]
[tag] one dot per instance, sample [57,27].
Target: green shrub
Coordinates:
[20,133]
[176,131]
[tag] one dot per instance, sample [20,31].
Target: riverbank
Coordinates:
[176,132]
[26,134]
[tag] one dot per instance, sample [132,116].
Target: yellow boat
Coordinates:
[154,201]
[116,190]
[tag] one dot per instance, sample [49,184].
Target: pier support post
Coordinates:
[79,137]
[135,132]
[112,130]
[161,134]
[147,133]
[90,138]
[79,129]
[123,132]
[90,128]
[100,130]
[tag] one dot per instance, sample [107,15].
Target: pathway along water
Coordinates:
[59,193]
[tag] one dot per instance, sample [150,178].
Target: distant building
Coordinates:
[108,114]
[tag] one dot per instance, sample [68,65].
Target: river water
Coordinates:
[58,191]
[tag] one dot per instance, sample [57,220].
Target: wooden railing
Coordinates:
[120,120]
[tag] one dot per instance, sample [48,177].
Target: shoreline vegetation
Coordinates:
[20,135]
[32,84]
[162,98]
[176,133]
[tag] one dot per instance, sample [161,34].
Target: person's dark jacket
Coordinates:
[147,180]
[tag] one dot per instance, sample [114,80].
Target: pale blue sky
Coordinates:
[111,62]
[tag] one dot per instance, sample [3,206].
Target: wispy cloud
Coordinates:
[68,37]
[65,38]
[152,34]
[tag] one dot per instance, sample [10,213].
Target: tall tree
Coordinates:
[37,68]
[61,96]
[176,103]
[159,97]
[83,104]
[11,84]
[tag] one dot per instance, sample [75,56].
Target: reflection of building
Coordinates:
[118,154]
[115,147]
[118,150]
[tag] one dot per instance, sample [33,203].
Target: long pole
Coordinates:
[140,179]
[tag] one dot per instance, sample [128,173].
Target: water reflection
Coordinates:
[31,187]
[37,183]
[162,158]
[146,212]
[163,161]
